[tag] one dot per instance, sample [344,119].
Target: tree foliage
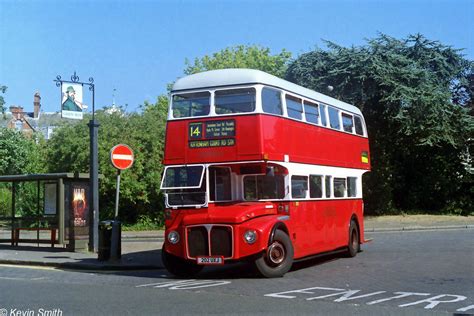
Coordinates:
[68,150]
[415,95]
[19,154]
[241,56]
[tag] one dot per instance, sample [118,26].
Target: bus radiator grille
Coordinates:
[198,241]
[210,240]
[221,241]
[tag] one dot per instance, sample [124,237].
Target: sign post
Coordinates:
[122,158]
[73,108]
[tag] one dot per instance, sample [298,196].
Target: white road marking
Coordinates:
[304,291]
[433,301]
[346,297]
[22,279]
[342,295]
[185,284]
[465,309]
[29,267]
[400,295]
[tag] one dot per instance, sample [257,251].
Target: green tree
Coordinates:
[415,96]
[19,155]
[241,56]
[68,150]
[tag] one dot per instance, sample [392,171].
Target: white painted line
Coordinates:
[342,295]
[185,284]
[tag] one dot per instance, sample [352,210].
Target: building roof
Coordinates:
[228,77]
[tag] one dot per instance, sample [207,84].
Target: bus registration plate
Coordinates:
[210,260]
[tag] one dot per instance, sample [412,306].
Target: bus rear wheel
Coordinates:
[354,243]
[179,267]
[278,258]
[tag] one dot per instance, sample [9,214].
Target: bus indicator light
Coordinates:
[364,157]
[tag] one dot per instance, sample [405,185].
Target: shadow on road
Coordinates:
[135,264]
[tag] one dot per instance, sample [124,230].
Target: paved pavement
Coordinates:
[142,249]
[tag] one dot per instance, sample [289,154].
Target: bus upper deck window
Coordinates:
[191,104]
[347,123]
[235,101]
[358,125]
[294,107]
[322,109]
[271,101]
[334,118]
[312,112]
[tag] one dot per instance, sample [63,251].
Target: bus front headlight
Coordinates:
[250,236]
[173,237]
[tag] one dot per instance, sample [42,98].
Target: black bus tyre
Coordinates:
[278,258]
[354,241]
[179,267]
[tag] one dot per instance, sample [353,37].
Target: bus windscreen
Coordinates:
[183,177]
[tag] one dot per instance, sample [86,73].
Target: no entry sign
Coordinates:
[121,157]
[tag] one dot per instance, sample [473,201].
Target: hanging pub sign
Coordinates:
[71,101]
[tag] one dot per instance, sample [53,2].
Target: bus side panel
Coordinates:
[323,225]
[270,137]
[345,210]
[309,224]
[306,143]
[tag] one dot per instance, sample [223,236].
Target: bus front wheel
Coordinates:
[354,242]
[278,258]
[179,267]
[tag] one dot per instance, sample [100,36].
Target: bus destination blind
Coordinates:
[211,134]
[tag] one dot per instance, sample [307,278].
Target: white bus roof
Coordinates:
[230,77]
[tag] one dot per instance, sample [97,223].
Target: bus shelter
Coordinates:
[50,208]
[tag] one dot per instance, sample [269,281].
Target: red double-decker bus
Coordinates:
[260,169]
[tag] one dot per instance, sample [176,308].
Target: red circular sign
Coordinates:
[121,157]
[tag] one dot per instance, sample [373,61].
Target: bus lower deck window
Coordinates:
[299,186]
[220,184]
[263,187]
[327,186]
[351,186]
[315,187]
[339,187]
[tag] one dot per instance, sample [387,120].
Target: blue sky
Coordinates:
[137,47]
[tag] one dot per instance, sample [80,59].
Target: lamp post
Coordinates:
[93,164]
